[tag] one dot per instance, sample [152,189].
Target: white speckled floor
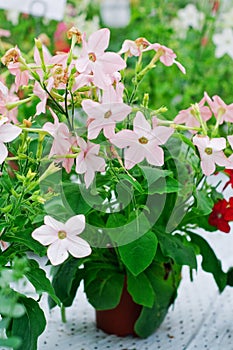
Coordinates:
[200,318]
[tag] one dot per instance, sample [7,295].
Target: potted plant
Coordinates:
[109,190]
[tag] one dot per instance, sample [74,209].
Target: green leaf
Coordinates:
[114,219]
[184,139]
[152,174]
[30,325]
[204,203]
[66,280]
[178,248]
[12,342]
[164,185]
[39,280]
[133,182]
[138,255]
[73,197]
[165,289]
[210,263]
[25,238]
[140,289]
[104,291]
[230,277]
[126,232]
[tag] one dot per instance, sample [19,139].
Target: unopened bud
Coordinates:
[44,39]
[38,43]
[27,123]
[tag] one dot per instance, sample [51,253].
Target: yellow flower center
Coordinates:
[208,150]
[62,234]
[143,140]
[107,114]
[92,56]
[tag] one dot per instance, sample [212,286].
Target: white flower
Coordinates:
[225,19]
[62,238]
[188,17]
[224,43]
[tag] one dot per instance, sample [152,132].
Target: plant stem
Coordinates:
[63,313]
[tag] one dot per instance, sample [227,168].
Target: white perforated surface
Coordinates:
[200,318]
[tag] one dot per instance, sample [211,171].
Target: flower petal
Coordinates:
[99,40]
[133,156]
[78,247]
[57,252]
[9,132]
[141,125]
[45,235]
[56,225]
[75,225]
[208,166]
[3,152]
[155,155]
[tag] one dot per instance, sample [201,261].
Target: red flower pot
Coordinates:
[120,320]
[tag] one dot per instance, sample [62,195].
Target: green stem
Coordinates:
[63,313]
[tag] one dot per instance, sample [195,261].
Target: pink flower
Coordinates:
[221,110]
[167,56]
[142,142]
[62,238]
[211,153]
[7,97]
[131,48]
[94,59]
[21,75]
[8,133]
[42,94]
[105,115]
[62,142]
[187,116]
[88,161]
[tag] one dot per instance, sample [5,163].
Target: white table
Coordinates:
[200,318]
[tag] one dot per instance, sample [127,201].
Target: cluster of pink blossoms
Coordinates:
[99,72]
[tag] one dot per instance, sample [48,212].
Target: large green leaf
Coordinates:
[178,248]
[66,280]
[104,291]
[165,289]
[39,280]
[140,289]
[210,263]
[30,325]
[126,232]
[138,255]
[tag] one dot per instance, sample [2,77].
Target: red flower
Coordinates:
[221,214]
[230,181]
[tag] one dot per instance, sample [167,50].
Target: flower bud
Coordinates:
[44,39]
